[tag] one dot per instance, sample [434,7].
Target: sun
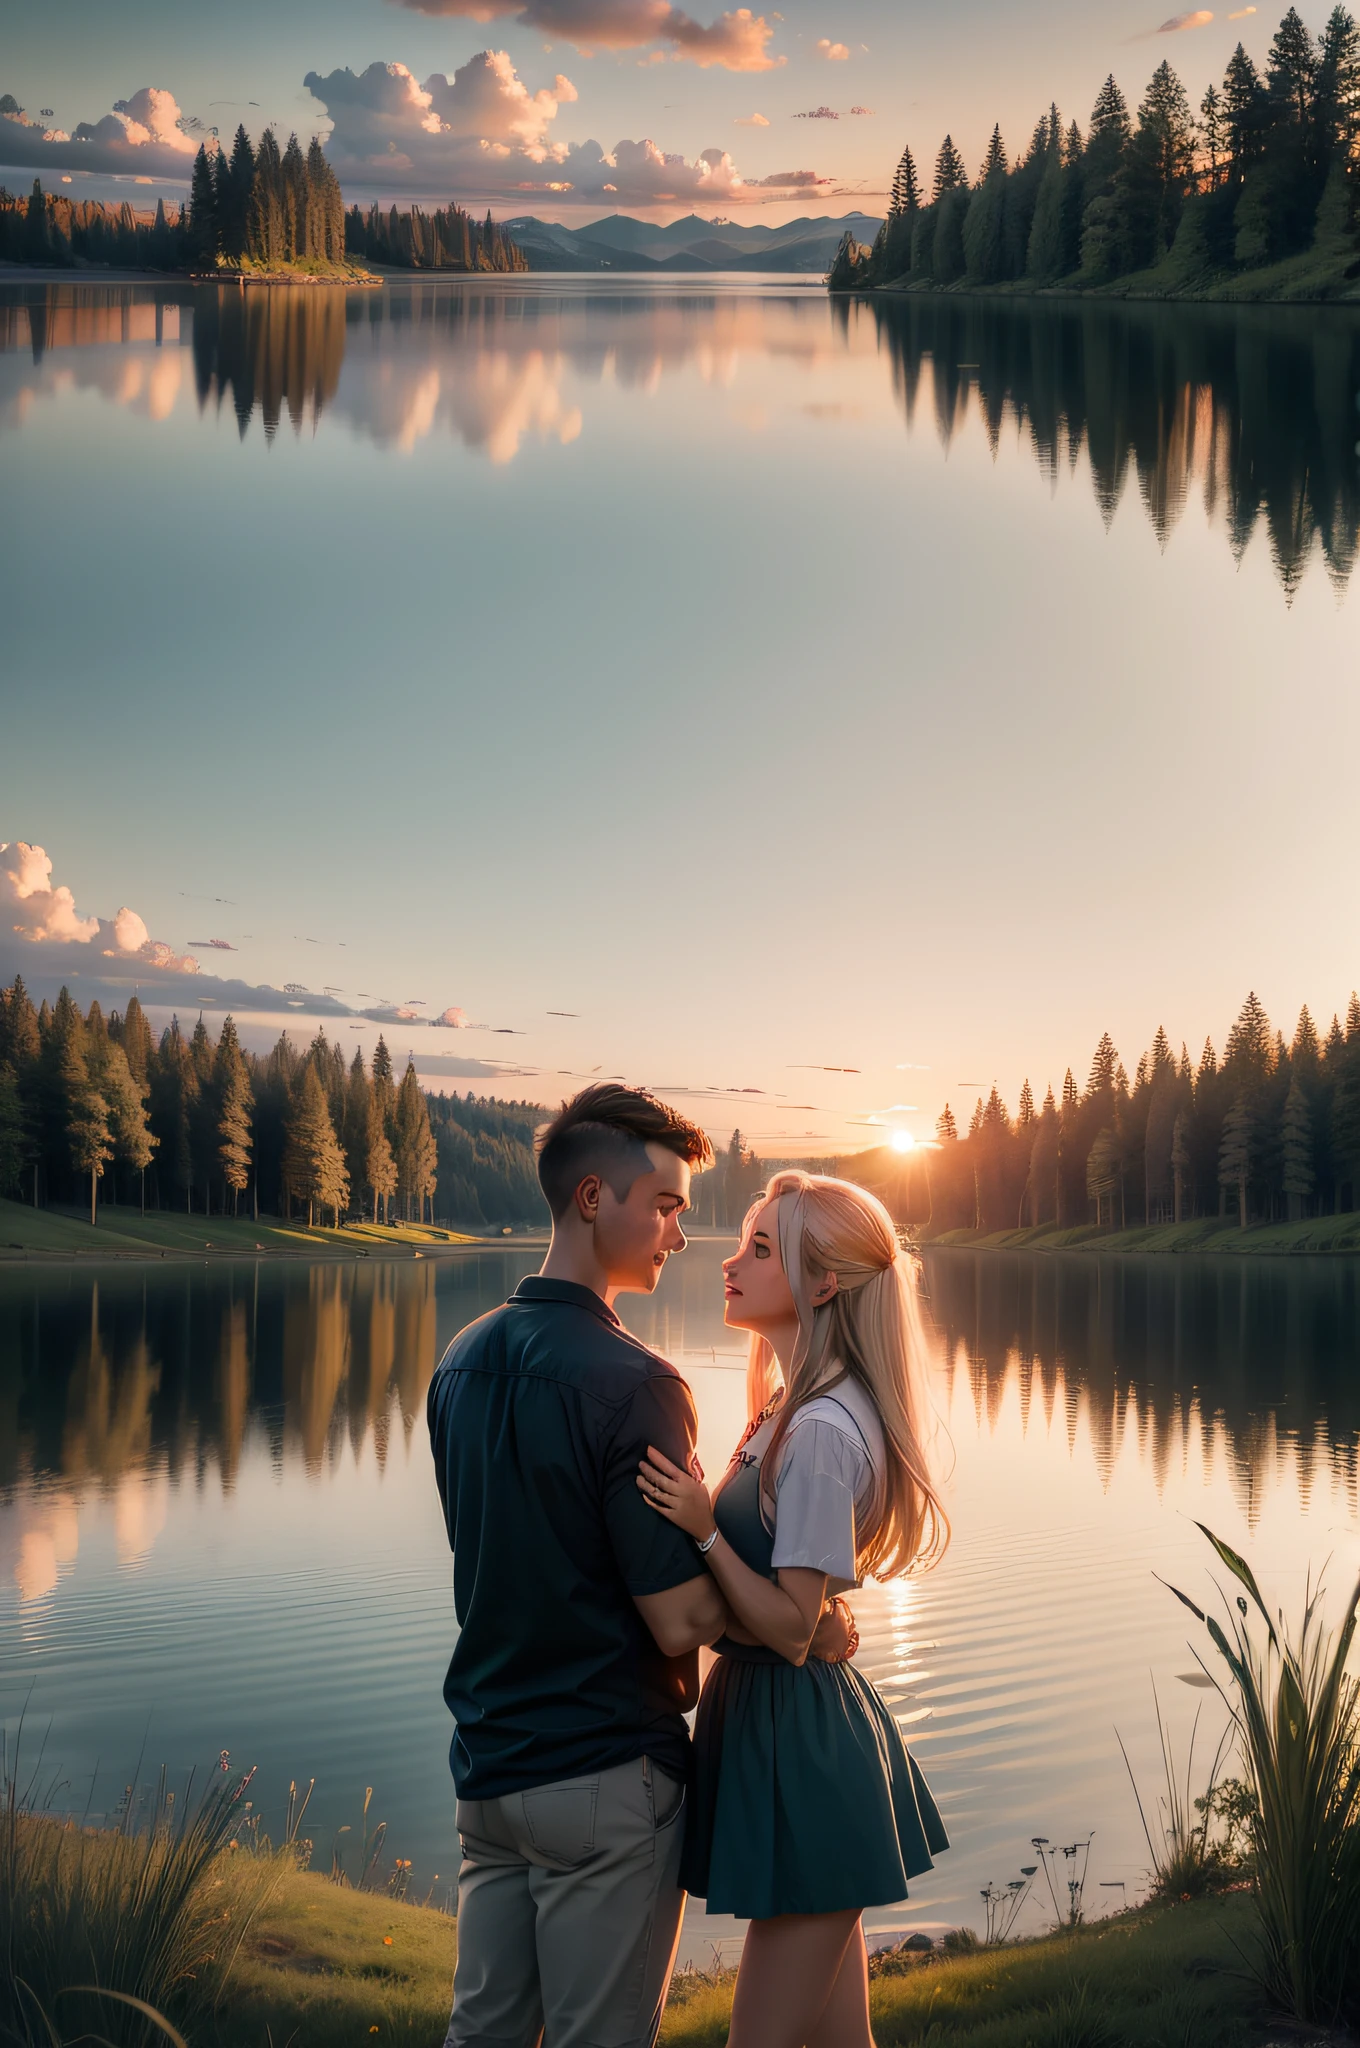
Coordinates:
[902,1141]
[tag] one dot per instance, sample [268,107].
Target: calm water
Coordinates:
[218,1524]
[326,606]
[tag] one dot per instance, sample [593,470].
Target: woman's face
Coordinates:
[757,1295]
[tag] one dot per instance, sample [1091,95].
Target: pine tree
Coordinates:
[85,1115]
[946,1130]
[205,230]
[1296,1147]
[905,199]
[995,160]
[235,184]
[1025,1115]
[314,1165]
[1249,1054]
[1337,88]
[1245,114]
[19,1041]
[1291,69]
[1237,1154]
[264,239]
[413,1145]
[380,1168]
[1212,128]
[950,174]
[235,1103]
[1104,1062]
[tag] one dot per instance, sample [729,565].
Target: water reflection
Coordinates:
[132,1372]
[1181,1355]
[1254,407]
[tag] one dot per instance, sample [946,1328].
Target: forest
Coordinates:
[1270,1132]
[447,239]
[253,208]
[1264,171]
[95,1108]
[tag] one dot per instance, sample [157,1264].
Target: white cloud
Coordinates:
[484,134]
[42,914]
[141,137]
[37,910]
[834,53]
[750,121]
[736,41]
[387,128]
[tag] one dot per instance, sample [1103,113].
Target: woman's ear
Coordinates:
[825,1288]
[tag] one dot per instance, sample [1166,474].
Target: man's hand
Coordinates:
[835,1638]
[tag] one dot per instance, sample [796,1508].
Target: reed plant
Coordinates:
[1296,1712]
[120,1935]
[1186,1859]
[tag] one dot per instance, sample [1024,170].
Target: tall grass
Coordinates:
[1186,1862]
[1297,1715]
[114,1934]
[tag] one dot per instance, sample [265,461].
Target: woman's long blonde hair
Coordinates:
[869,1331]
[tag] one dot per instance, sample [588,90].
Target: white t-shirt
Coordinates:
[828,1485]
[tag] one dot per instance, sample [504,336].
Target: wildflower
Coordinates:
[387,1941]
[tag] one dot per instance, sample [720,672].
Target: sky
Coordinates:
[573,109]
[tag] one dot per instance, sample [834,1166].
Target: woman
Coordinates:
[807,1807]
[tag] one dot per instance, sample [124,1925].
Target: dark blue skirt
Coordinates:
[805,1798]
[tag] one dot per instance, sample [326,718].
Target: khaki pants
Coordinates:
[569,1912]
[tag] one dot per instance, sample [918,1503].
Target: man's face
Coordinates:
[635,1237]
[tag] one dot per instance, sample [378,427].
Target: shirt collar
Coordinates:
[536,1288]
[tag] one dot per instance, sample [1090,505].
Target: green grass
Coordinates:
[1205,1234]
[318,1970]
[1314,274]
[124,1233]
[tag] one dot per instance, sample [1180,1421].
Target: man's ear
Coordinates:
[587,1197]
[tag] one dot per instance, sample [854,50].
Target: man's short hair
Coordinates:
[606,1129]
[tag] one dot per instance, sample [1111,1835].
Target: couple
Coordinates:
[590,1566]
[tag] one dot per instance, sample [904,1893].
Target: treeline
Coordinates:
[447,239]
[1270,1132]
[265,208]
[1266,169]
[92,1105]
[43,229]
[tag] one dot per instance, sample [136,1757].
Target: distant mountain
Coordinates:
[620,243]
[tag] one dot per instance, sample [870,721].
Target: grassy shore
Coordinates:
[1314,276]
[52,1236]
[1217,1235]
[327,1968]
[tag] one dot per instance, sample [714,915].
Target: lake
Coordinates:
[219,1528]
[1003,622]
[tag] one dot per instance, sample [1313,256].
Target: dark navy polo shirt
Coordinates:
[539,1414]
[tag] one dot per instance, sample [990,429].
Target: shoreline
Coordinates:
[126,1236]
[1329,1237]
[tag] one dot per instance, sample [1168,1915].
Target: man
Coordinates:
[581,1612]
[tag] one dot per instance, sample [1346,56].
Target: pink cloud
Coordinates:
[736,41]
[142,137]
[42,914]
[832,53]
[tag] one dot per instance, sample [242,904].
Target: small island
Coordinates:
[255,215]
